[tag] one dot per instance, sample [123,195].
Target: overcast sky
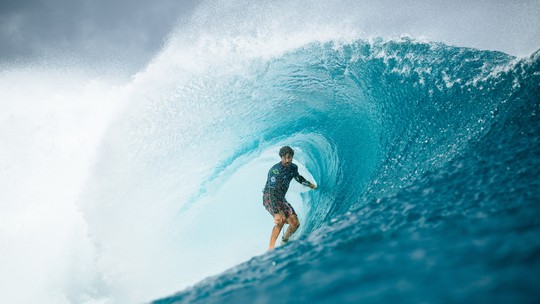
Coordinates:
[130,32]
[125,30]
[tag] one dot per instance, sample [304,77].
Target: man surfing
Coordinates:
[277,184]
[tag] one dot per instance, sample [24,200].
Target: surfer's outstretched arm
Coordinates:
[305,182]
[299,178]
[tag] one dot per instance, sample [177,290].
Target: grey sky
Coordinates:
[125,30]
[130,32]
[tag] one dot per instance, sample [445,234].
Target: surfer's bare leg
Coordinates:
[279,221]
[293,225]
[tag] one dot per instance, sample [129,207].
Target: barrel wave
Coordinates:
[426,157]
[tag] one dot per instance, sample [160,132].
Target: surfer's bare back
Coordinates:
[277,184]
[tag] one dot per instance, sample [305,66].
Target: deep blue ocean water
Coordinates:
[427,158]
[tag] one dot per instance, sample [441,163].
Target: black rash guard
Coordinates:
[279,178]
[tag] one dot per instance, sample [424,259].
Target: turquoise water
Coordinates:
[427,158]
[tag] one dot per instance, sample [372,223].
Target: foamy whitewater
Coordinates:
[427,158]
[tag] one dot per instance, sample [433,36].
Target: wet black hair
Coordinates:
[286,150]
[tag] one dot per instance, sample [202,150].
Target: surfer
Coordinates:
[277,184]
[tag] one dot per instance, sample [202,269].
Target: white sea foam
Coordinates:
[50,126]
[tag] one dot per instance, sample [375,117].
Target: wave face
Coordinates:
[428,162]
[426,157]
